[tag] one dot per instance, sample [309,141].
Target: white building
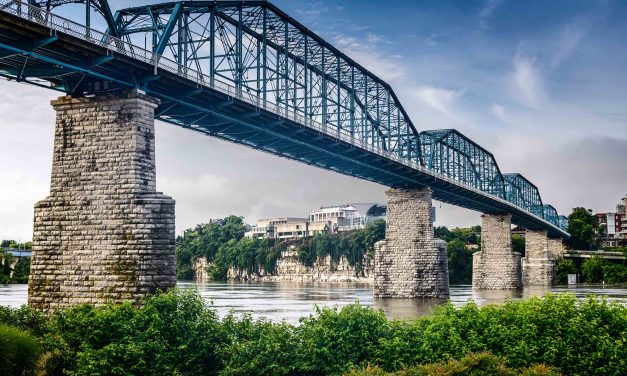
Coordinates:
[285,228]
[349,216]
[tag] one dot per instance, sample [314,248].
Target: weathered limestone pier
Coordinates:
[410,263]
[538,265]
[103,234]
[496,266]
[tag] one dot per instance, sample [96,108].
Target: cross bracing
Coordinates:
[245,72]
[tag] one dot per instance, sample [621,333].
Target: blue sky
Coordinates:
[540,84]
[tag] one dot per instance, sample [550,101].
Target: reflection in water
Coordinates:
[290,301]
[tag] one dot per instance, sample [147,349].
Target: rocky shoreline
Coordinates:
[290,269]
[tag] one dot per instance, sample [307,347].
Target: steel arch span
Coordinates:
[246,72]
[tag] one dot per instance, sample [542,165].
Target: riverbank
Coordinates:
[178,333]
[289,268]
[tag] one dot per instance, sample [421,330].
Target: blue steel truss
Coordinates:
[257,48]
[523,193]
[246,72]
[550,215]
[452,154]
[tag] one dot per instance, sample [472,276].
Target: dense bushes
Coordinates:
[19,351]
[176,333]
[481,364]
[564,267]
[593,270]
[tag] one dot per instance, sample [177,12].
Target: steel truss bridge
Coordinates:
[246,72]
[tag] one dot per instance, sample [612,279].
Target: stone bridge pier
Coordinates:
[410,263]
[538,265]
[496,266]
[103,234]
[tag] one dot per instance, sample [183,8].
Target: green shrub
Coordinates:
[563,268]
[615,273]
[172,334]
[481,364]
[334,341]
[19,351]
[178,334]
[259,348]
[592,269]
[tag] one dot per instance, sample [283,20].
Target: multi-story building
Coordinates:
[349,216]
[329,219]
[614,225]
[286,228]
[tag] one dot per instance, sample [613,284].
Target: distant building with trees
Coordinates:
[325,220]
[613,226]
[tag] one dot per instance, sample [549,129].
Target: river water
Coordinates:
[289,301]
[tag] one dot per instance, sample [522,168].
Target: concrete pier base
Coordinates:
[538,266]
[104,234]
[410,263]
[496,266]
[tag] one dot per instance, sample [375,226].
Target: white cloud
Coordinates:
[368,53]
[567,44]
[489,6]
[499,111]
[438,99]
[527,82]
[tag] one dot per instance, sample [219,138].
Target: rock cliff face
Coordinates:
[288,268]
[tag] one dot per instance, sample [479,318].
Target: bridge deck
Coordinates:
[46,50]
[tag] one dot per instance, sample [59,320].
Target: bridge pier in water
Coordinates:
[496,266]
[103,234]
[538,265]
[410,263]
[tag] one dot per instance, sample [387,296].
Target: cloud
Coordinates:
[527,81]
[499,111]
[438,99]
[432,40]
[369,53]
[569,39]
[313,12]
[489,6]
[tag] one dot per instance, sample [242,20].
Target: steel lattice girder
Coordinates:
[523,193]
[550,214]
[76,65]
[563,222]
[450,153]
[260,49]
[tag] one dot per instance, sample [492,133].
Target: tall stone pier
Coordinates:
[104,234]
[556,248]
[410,263]
[496,266]
[538,264]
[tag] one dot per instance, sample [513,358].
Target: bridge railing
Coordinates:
[69,27]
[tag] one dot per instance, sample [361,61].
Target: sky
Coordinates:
[542,85]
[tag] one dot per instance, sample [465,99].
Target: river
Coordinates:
[290,301]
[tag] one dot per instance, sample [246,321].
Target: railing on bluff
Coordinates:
[447,156]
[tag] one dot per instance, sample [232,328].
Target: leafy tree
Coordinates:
[593,269]
[442,232]
[518,244]
[615,273]
[564,267]
[459,262]
[583,227]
